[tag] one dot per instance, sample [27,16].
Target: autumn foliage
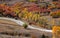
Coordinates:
[56,31]
[55,13]
[30,12]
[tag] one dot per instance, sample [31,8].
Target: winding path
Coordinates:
[29,26]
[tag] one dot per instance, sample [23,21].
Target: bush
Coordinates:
[43,21]
[43,36]
[25,25]
[55,14]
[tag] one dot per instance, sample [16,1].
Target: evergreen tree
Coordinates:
[43,36]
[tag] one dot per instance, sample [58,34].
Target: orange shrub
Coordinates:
[55,13]
[56,31]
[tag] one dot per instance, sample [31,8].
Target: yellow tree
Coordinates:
[25,13]
[56,32]
[36,17]
[30,14]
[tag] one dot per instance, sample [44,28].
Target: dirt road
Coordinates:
[10,27]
